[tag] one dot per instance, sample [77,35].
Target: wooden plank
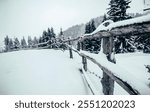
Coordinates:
[78,46]
[70,51]
[84,61]
[107,81]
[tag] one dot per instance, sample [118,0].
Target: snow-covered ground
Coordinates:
[53,72]
[130,68]
[40,72]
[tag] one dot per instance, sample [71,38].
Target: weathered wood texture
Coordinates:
[107,81]
[122,83]
[70,51]
[78,46]
[84,61]
[108,84]
[128,88]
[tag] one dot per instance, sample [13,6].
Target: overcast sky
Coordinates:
[30,17]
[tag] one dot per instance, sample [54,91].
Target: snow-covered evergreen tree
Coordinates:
[87,28]
[53,35]
[61,38]
[61,34]
[92,45]
[30,42]
[49,33]
[23,43]
[40,39]
[45,37]
[16,43]
[35,41]
[92,25]
[6,42]
[11,44]
[117,10]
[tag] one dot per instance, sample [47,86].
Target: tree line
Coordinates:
[117,11]
[14,43]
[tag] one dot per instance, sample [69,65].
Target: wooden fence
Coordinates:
[106,73]
[107,36]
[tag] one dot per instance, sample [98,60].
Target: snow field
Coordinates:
[40,72]
[53,72]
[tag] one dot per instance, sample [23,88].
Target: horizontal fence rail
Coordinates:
[128,88]
[132,27]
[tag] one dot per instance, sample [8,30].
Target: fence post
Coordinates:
[84,61]
[70,51]
[78,46]
[107,82]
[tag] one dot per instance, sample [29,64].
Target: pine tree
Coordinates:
[45,37]
[88,28]
[61,34]
[23,43]
[6,42]
[53,35]
[16,43]
[92,26]
[92,45]
[35,41]
[30,42]
[40,41]
[117,10]
[11,44]
[49,34]
[61,38]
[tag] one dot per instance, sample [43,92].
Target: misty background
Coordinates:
[20,18]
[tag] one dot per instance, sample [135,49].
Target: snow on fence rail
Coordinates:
[134,26]
[128,88]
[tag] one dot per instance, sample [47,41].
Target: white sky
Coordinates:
[30,17]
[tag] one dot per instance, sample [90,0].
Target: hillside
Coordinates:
[78,30]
